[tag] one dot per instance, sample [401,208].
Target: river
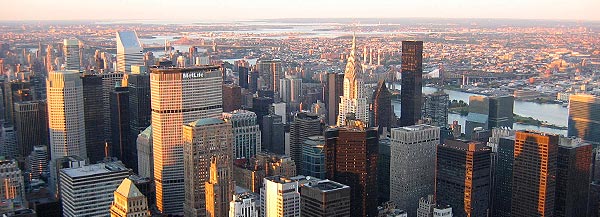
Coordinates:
[552,113]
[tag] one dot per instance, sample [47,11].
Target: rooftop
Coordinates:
[418,127]
[128,189]
[128,39]
[327,185]
[161,70]
[94,169]
[206,122]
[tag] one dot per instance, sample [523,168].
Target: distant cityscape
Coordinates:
[300,117]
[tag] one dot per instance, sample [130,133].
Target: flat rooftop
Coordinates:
[94,169]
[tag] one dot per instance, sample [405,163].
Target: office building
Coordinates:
[273,134]
[243,77]
[232,99]
[66,114]
[76,184]
[37,162]
[129,201]
[354,100]
[249,173]
[208,168]
[383,169]
[72,54]
[325,198]
[119,124]
[12,186]
[109,81]
[572,177]
[503,176]
[335,89]
[246,133]
[442,211]
[261,106]
[412,165]
[129,51]
[179,95]
[243,205]
[383,116]
[313,157]
[412,75]
[584,119]
[304,125]
[534,174]
[435,109]
[139,104]
[290,90]
[279,197]
[271,72]
[426,206]
[463,177]
[31,124]
[489,112]
[351,159]
[95,138]
[8,142]
[144,153]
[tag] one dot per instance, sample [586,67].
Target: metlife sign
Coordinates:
[189,75]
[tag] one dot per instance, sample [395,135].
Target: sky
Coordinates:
[231,10]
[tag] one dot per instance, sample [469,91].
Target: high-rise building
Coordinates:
[572,177]
[72,54]
[351,159]
[129,201]
[354,100]
[290,89]
[37,162]
[534,174]
[207,159]
[179,95]
[313,157]
[325,198]
[249,173]
[95,139]
[279,197]
[231,97]
[335,89]
[66,114]
[584,118]
[412,75]
[489,112]
[246,132]
[383,169]
[129,51]
[412,165]
[305,125]
[426,206]
[31,123]
[435,109]
[109,81]
[8,142]
[271,72]
[12,186]
[503,177]
[261,106]
[382,108]
[463,177]
[273,134]
[243,77]
[243,205]
[119,123]
[442,211]
[139,104]
[144,153]
[88,190]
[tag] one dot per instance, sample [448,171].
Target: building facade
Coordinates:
[246,132]
[325,198]
[572,177]
[129,51]
[584,118]
[313,157]
[435,109]
[412,75]
[243,205]
[304,125]
[354,100]
[129,201]
[279,197]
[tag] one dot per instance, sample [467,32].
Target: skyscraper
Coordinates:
[273,134]
[412,165]
[305,125]
[129,51]
[243,205]
[247,138]
[463,177]
[179,95]
[66,114]
[572,177]
[335,89]
[383,170]
[584,118]
[38,161]
[207,159]
[139,104]
[279,197]
[351,159]
[109,81]
[382,108]
[100,179]
[243,77]
[501,112]
[119,124]
[534,174]
[31,123]
[271,72]
[290,89]
[145,157]
[489,112]
[231,97]
[325,198]
[313,157]
[72,54]
[412,73]
[503,177]
[129,201]
[435,109]
[354,99]
[94,117]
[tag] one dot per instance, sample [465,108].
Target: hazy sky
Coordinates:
[213,10]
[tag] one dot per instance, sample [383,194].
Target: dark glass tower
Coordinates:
[94,117]
[463,177]
[304,125]
[273,134]
[243,77]
[139,105]
[412,74]
[335,85]
[534,174]
[503,173]
[119,124]
[584,118]
[382,108]
[31,123]
[351,159]
[572,180]
[232,99]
